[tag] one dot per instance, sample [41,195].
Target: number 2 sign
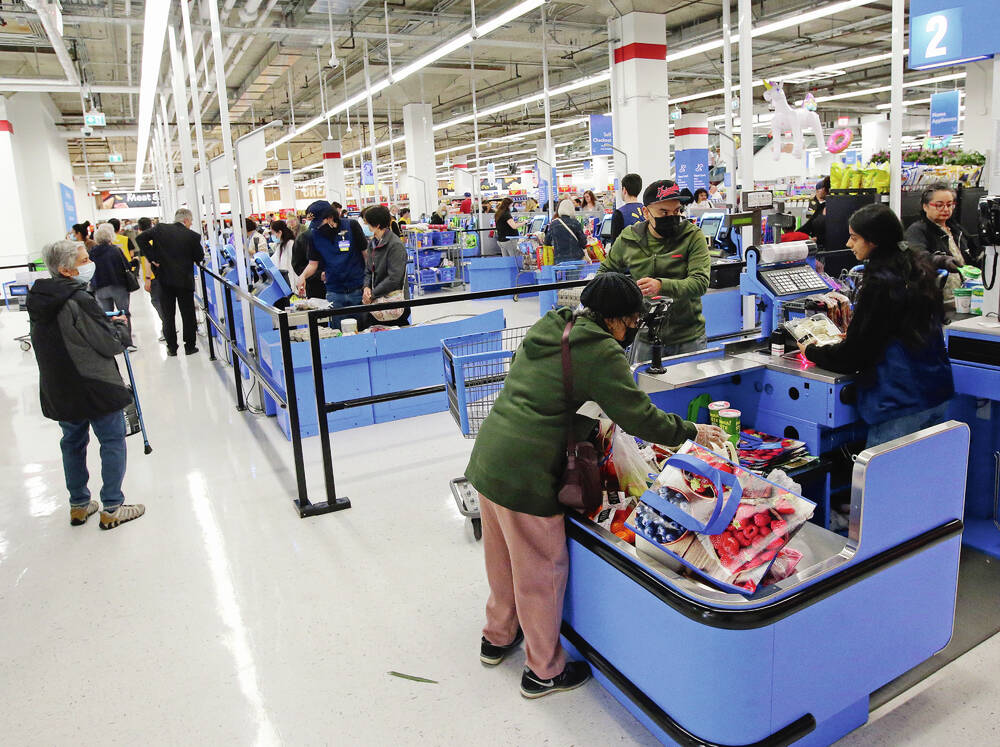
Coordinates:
[960,32]
[936,37]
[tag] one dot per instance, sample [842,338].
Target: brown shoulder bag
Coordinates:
[580,487]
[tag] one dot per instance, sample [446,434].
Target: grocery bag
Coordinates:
[723,522]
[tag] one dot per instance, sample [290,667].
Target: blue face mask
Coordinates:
[367,229]
[86,273]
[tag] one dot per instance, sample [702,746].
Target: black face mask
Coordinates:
[328,232]
[630,335]
[668,226]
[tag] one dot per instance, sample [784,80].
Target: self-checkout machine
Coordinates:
[974,350]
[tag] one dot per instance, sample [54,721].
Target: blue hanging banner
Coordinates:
[944,113]
[367,172]
[692,168]
[601,137]
[68,205]
[962,32]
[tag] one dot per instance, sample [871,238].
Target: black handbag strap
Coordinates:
[567,371]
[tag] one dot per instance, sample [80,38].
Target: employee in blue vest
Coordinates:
[631,211]
[339,243]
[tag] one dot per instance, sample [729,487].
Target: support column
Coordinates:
[981,123]
[16,249]
[691,151]
[601,177]
[874,135]
[548,178]
[639,106]
[286,185]
[190,190]
[461,177]
[421,174]
[333,172]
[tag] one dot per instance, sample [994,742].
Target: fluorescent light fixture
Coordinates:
[153,31]
[883,89]
[769,28]
[915,102]
[401,73]
[492,24]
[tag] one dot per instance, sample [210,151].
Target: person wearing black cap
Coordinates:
[315,287]
[338,244]
[520,454]
[668,256]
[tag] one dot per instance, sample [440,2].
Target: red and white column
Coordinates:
[639,103]
[15,248]
[333,172]
[461,177]
[691,152]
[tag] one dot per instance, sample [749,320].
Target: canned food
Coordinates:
[714,408]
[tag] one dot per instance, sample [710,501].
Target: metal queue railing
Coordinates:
[288,399]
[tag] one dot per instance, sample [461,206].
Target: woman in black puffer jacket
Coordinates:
[939,234]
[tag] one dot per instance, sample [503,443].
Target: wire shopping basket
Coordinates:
[475,367]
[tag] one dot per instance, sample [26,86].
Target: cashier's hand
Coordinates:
[300,289]
[366,297]
[803,346]
[710,434]
[650,287]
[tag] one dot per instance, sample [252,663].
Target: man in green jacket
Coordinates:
[668,256]
[520,455]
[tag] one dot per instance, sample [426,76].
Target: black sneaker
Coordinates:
[190,351]
[491,655]
[573,675]
[172,352]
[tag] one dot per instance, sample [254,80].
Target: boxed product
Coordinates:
[716,518]
[816,329]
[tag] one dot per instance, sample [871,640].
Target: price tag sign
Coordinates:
[758,200]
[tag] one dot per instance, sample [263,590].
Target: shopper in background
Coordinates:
[173,249]
[123,243]
[255,240]
[404,217]
[385,266]
[938,233]
[700,195]
[631,211]
[315,286]
[440,216]
[285,240]
[339,244]
[531,205]
[81,232]
[590,201]
[150,282]
[895,340]
[110,283]
[815,225]
[296,226]
[79,384]
[715,194]
[506,226]
[670,258]
[466,207]
[519,457]
[565,235]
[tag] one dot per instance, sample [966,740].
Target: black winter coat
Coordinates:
[926,235]
[75,347]
[173,248]
[110,266]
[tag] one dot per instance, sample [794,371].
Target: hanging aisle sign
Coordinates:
[367,172]
[68,205]
[944,113]
[960,32]
[601,138]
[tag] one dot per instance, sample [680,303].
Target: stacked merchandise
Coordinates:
[761,453]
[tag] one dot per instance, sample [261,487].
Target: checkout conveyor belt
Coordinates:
[795,662]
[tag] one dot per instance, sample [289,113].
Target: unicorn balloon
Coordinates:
[787,119]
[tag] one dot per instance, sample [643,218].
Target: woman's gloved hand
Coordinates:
[710,434]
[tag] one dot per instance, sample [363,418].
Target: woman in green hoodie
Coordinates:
[519,457]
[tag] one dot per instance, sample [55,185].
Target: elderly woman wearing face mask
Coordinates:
[668,256]
[940,235]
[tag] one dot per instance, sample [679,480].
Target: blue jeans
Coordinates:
[340,300]
[110,431]
[904,426]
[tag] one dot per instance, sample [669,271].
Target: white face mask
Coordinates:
[86,273]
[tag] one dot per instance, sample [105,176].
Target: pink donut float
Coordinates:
[839,140]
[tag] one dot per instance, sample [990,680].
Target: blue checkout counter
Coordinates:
[974,349]
[796,662]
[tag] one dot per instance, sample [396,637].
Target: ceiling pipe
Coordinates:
[47,85]
[46,14]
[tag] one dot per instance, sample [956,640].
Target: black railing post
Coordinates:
[333,503]
[240,404]
[208,323]
[292,404]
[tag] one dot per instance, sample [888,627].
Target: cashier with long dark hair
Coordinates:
[520,455]
[895,340]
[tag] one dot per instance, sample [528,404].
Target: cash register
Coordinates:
[779,274]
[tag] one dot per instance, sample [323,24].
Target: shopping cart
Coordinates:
[133,410]
[529,249]
[475,367]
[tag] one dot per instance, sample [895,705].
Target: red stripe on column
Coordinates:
[460,165]
[691,131]
[331,155]
[641,51]
[6,126]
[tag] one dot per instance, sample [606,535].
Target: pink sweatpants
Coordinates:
[527,565]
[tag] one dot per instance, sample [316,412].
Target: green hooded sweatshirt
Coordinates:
[682,264]
[520,452]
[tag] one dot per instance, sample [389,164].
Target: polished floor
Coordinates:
[221,617]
